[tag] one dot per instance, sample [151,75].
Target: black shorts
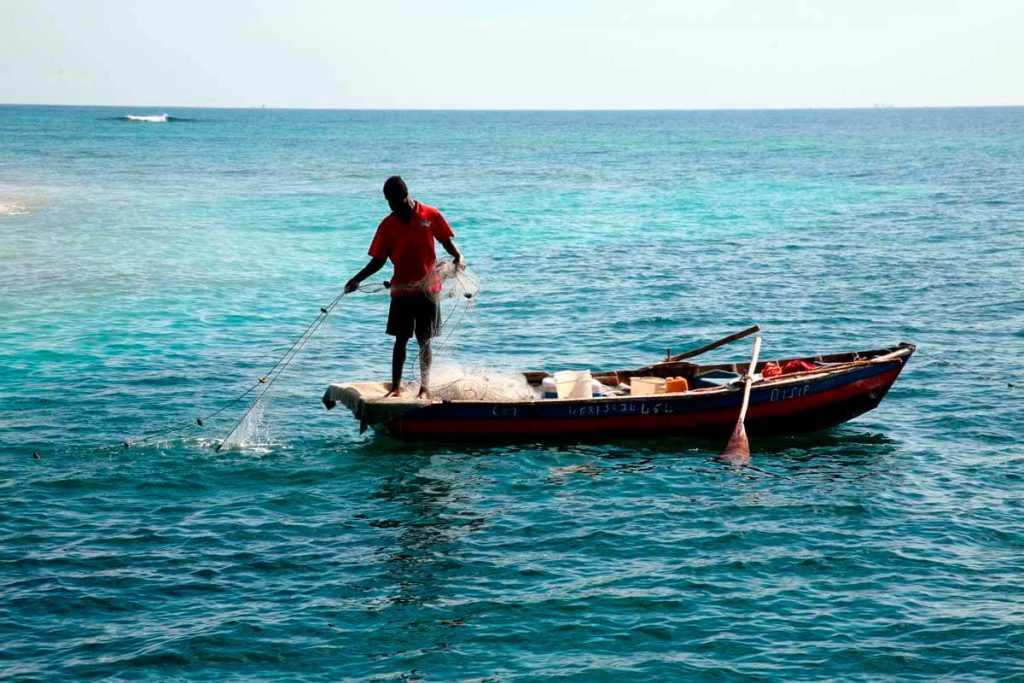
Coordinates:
[417,313]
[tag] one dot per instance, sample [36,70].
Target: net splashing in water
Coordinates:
[253,434]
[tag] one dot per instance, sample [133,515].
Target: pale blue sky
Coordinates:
[526,54]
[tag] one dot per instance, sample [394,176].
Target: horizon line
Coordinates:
[871,107]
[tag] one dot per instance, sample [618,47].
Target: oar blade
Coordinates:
[737,451]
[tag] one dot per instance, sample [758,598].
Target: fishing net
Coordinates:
[253,432]
[453,382]
[457,289]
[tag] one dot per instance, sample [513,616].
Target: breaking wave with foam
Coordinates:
[147,118]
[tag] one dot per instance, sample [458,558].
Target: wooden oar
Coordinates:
[714,345]
[696,352]
[738,449]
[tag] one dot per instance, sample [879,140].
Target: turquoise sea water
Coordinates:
[150,272]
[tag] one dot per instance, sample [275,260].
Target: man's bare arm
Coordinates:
[453,250]
[369,269]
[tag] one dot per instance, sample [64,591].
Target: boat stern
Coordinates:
[369,401]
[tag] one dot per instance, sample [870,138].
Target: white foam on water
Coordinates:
[453,382]
[10,208]
[149,118]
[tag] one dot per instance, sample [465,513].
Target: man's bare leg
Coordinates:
[426,358]
[397,363]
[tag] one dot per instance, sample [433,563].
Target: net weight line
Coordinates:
[280,366]
[466,285]
[265,380]
[444,270]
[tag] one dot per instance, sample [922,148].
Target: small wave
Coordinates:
[12,209]
[147,118]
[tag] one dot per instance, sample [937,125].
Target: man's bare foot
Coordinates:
[394,393]
[423,394]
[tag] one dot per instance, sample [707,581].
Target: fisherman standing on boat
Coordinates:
[406,236]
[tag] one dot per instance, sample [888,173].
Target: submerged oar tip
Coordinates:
[737,451]
[735,458]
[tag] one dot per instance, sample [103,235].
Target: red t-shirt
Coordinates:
[410,246]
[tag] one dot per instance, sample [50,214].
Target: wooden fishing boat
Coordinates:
[836,388]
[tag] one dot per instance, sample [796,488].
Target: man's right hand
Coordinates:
[351,286]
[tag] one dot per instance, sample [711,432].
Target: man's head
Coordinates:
[397,194]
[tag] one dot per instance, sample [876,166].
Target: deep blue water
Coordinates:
[150,272]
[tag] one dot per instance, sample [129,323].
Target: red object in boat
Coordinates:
[792,366]
[773,369]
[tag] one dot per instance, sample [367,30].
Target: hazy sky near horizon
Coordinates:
[527,54]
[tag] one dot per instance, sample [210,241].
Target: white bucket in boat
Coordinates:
[548,388]
[574,383]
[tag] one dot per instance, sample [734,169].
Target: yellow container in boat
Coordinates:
[675,385]
[641,386]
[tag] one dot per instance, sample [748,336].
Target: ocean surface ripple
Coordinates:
[152,273]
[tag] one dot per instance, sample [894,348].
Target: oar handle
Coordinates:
[749,379]
[715,344]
